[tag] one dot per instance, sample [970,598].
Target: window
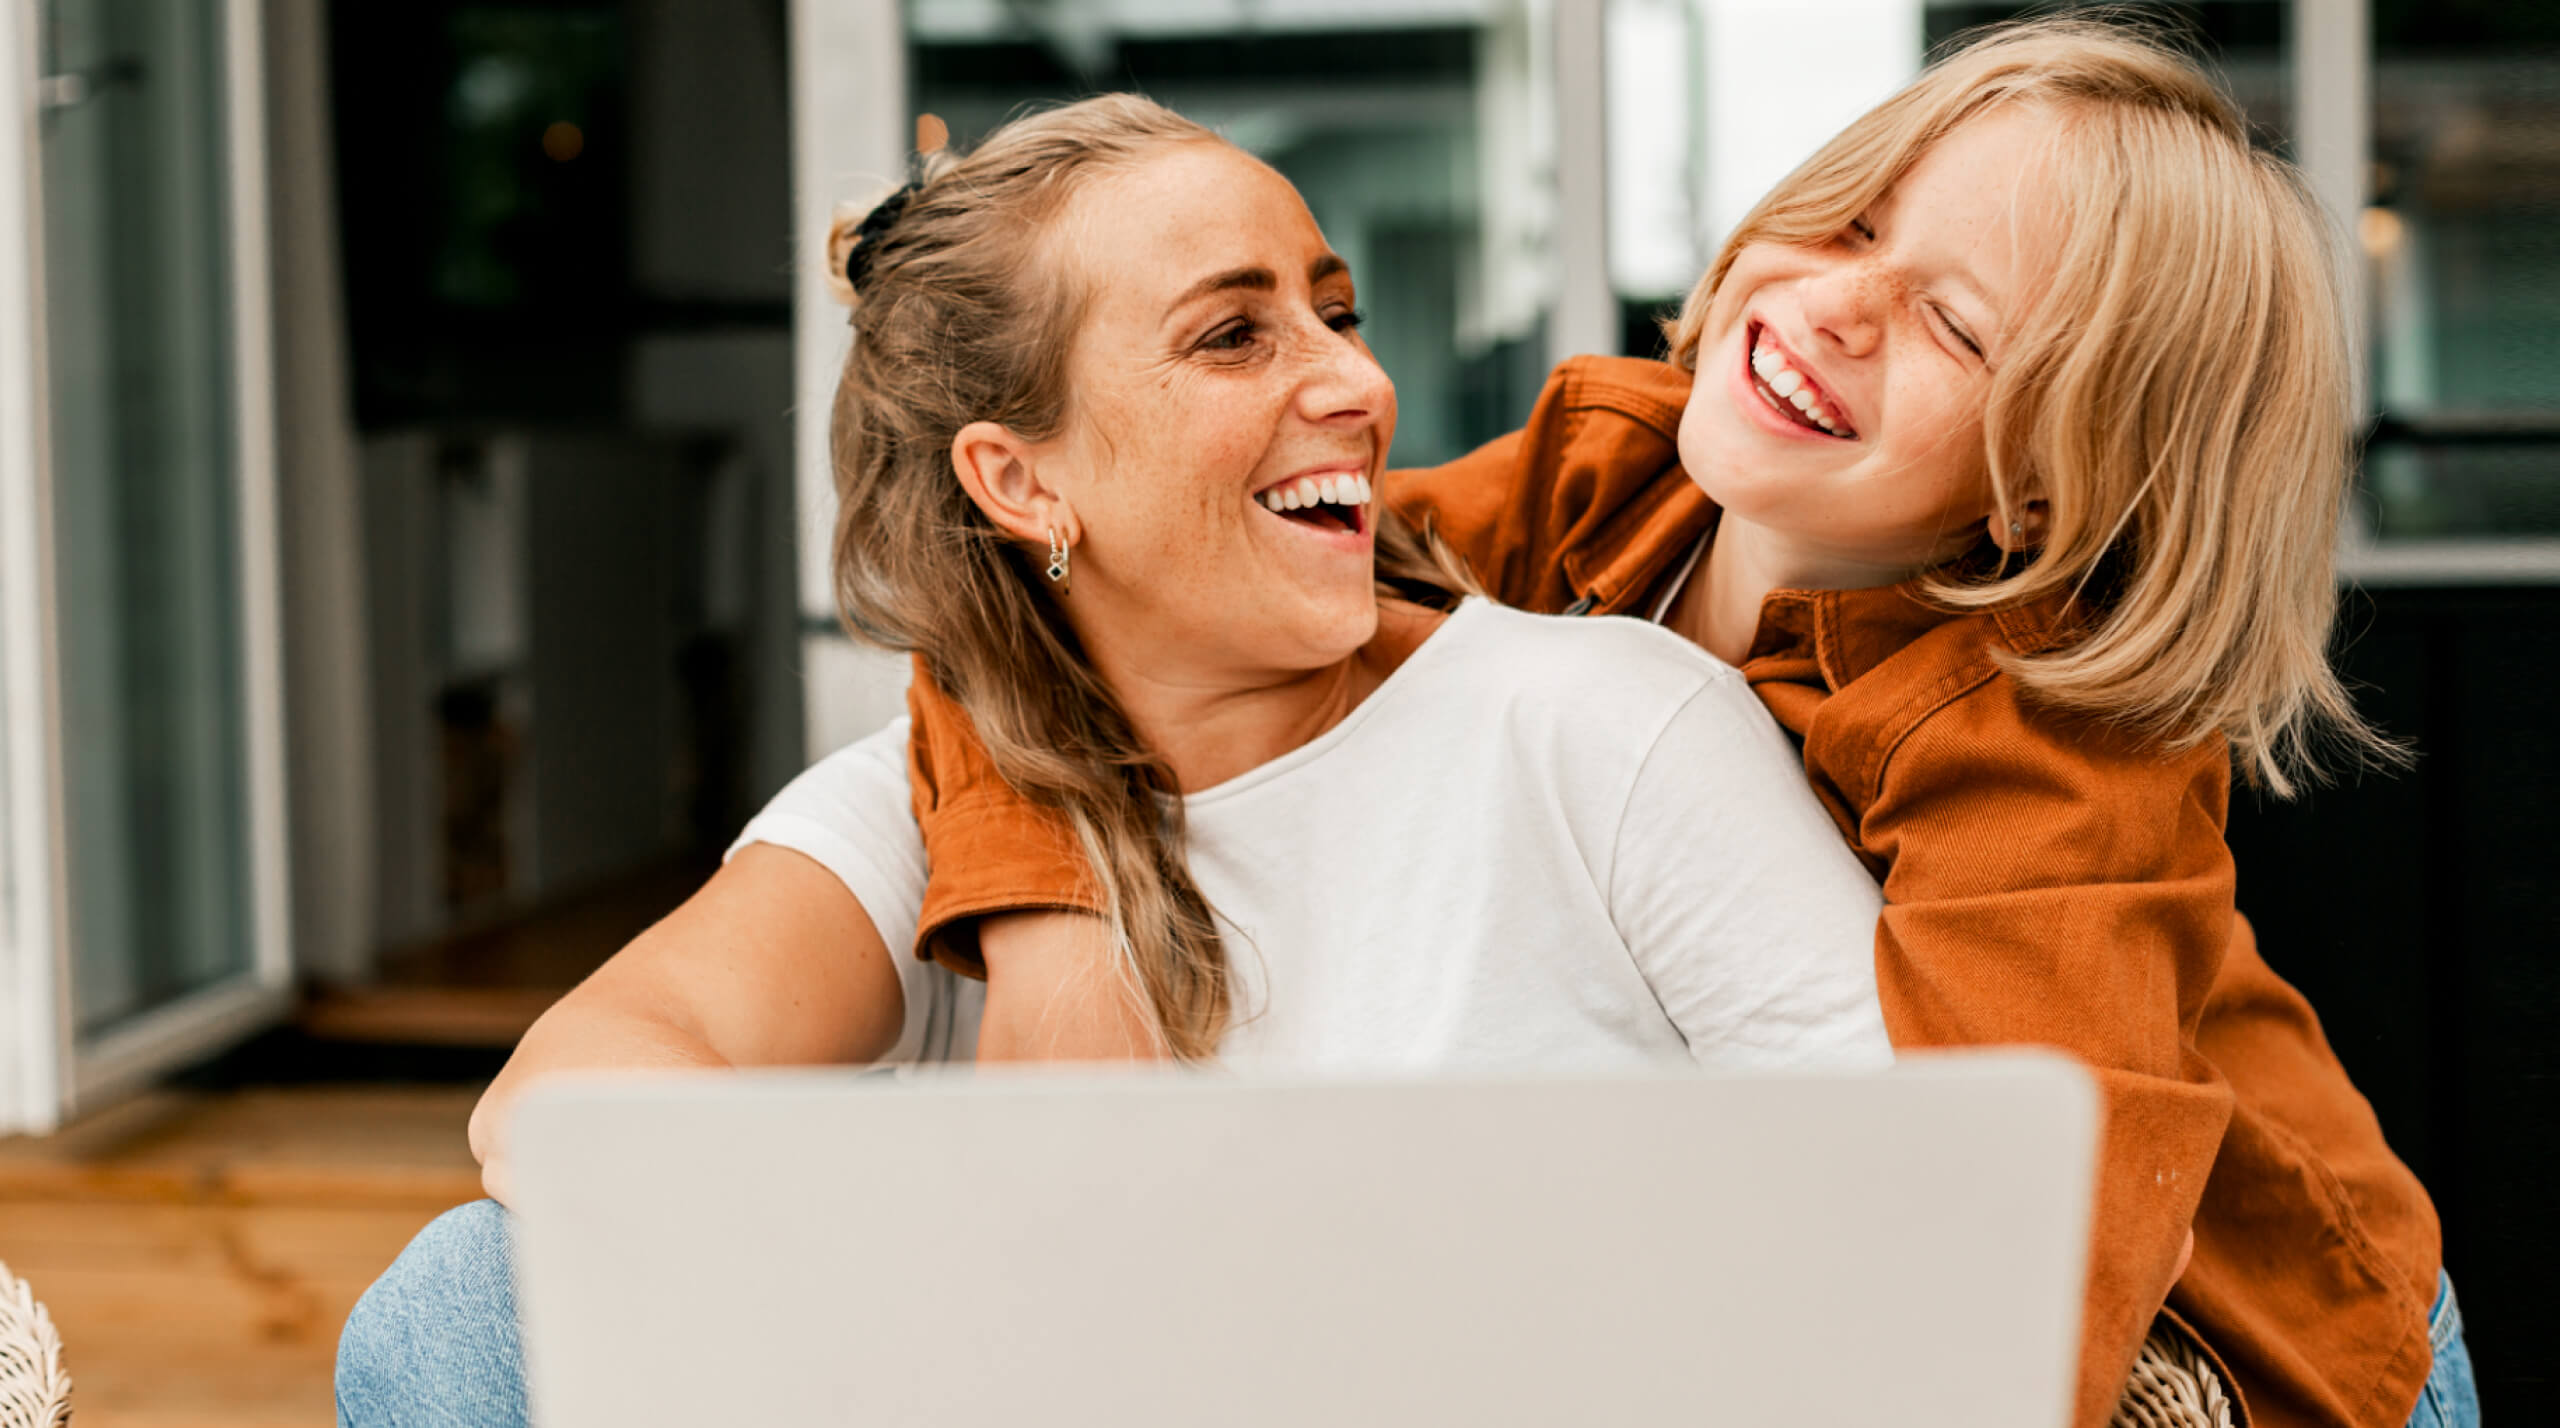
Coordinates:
[1420,131]
[2454,222]
[2461,243]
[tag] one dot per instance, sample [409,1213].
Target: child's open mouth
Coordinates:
[1789,392]
[1332,503]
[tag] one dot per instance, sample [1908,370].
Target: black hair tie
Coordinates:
[883,216]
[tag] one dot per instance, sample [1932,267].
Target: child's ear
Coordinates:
[2023,526]
[1004,478]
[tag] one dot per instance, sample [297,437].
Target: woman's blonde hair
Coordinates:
[963,312]
[2179,390]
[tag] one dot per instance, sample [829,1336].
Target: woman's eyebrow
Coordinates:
[1251,279]
[1256,278]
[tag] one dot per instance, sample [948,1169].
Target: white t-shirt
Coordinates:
[1541,841]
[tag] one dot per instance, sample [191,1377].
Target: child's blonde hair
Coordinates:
[2178,391]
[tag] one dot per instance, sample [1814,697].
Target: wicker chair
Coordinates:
[2175,1384]
[34,1390]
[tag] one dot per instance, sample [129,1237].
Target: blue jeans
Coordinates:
[433,1343]
[2451,1398]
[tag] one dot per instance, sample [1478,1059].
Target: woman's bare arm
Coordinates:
[772,963]
[1055,992]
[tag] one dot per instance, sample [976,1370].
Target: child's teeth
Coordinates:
[1786,382]
[1801,397]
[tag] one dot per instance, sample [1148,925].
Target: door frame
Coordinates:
[35,1072]
[46,1069]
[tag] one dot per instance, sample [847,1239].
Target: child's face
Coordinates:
[1840,388]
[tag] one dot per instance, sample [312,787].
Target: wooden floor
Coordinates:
[483,985]
[199,1250]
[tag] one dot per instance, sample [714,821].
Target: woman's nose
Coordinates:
[1844,307]
[1346,382]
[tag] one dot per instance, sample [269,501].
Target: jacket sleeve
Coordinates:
[1467,504]
[1539,514]
[988,849]
[2053,883]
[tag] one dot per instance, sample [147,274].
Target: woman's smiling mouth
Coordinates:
[1329,501]
[1789,392]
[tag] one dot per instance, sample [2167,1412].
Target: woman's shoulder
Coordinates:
[1601,673]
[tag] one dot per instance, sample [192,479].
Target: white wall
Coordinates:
[850,132]
[328,723]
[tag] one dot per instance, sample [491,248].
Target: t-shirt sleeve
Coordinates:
[848,813]
[1741,905]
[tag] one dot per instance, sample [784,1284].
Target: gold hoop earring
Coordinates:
[1057,571]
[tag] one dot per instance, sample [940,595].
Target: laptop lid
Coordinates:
[1073,1248]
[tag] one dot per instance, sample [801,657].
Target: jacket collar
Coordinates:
[1628,555]
[1845,634]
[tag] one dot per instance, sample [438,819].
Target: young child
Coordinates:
[2001,448]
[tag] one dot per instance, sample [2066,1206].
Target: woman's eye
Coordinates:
[1859,226]
[1957,332]
[1234,337]
[1347,320]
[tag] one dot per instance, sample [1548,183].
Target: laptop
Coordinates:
[1142,1250]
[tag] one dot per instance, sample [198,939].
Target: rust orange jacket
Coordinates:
[2047,880]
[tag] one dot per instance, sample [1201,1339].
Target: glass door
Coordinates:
[154,532]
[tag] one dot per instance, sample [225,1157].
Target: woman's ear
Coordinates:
[2023,527]
[1002,474]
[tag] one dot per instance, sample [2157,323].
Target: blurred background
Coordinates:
[413,529]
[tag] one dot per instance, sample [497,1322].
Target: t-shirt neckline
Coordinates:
[1431,649]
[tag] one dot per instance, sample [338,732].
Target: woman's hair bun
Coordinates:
[853,239]
[854,234]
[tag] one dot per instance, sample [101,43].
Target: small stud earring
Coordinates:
[1057,571]
[2016,530]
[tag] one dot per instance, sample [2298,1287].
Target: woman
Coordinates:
[2002,447]
[1105,445]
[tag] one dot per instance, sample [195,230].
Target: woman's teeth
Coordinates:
[1790,386]
[1316,491]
